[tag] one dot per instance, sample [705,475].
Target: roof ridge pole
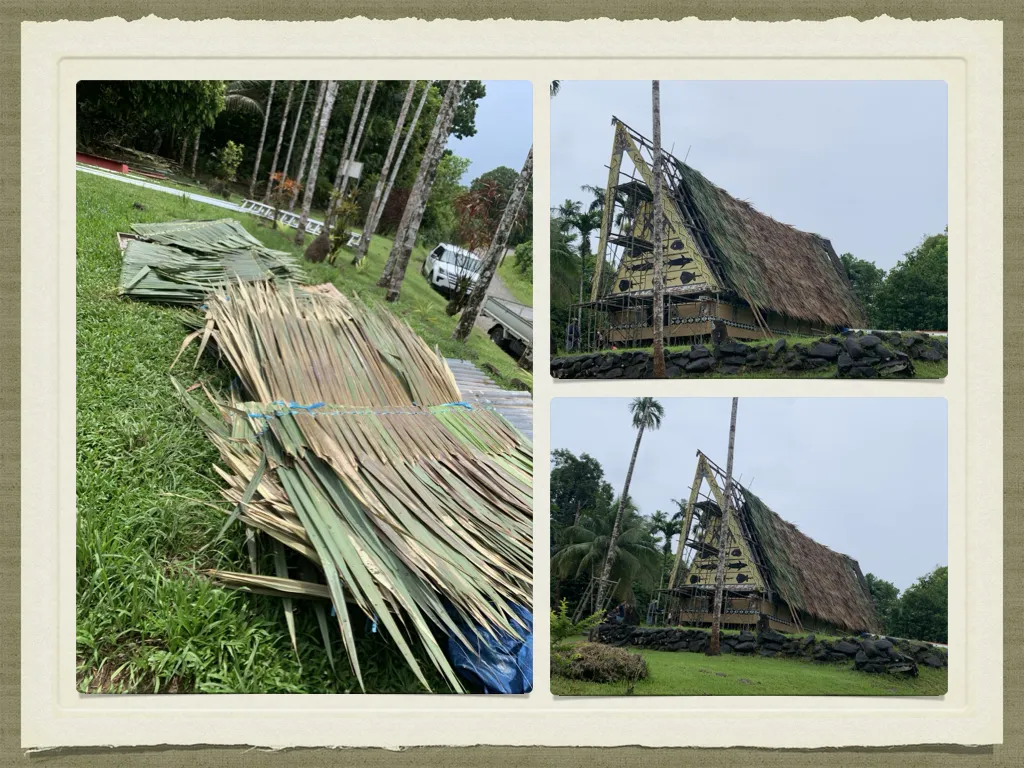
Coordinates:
[715,646]
[607,215]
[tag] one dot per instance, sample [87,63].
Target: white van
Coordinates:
[447,263]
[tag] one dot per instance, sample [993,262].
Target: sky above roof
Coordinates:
[863,476]
[862,163]
[504,129]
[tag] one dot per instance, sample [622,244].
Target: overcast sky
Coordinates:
[860,163]
[863,476]
[504,128]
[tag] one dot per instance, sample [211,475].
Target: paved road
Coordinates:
[478,388]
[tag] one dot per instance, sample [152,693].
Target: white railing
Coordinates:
[287,218]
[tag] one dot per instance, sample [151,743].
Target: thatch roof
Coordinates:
[767,263]
[809,576]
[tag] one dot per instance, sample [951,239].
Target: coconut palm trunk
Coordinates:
[647,414]
[346,147]
[385,170]
[321,93]
[314,162]
[341,181]
[715,645]
[295,130]
[658,284]
[494,252]
[280,140]
[195,151]
[412,216]
[371,228]
[263,137]
[609,560]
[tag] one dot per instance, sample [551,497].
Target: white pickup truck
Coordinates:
[446,263]
[513,326]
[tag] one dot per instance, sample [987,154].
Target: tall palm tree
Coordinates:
[412,216]
[295,129]
[658,283]
[353,120]
[662,525]
[341,181]
[280,140]
[314,163]
[321,93]
[647,414]
[385,178]
[581,548]
[555,87]
[498,244]
[714,646]
[263,136]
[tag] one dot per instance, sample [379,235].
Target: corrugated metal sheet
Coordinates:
[479,389]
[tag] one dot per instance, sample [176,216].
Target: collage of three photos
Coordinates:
[306,387]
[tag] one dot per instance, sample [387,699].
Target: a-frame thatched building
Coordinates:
[775,578]
[724,261]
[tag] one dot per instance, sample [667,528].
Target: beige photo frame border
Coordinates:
[968,55]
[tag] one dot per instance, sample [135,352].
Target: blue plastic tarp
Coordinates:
[504,665]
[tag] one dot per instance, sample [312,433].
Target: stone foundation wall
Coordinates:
[857,356]
[868,654]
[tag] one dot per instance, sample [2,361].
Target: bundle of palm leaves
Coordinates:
[352,448]
[180,262]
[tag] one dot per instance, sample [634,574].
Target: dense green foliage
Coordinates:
[563,627]
[155,116]
[583,508]
[144,113]
[886,598]
[228,159]
[914,295]
[866,279]
[922,611]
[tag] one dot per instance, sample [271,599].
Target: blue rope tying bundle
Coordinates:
[293,407]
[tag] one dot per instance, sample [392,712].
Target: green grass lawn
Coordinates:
[518,284]
[694,674]
[148,498]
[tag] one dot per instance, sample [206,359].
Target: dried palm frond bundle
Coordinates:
[353,449]
[180,262]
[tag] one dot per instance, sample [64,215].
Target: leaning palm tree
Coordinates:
[498,244]
[321,93]
[661,524]
[263,136]
[388,171]
[581,548]
[295,129]
[314,163]
[280,140]
[343,160]
[412,215]
[341,180]
[647,414]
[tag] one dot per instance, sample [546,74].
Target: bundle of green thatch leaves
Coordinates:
[351,447]
[180,262]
